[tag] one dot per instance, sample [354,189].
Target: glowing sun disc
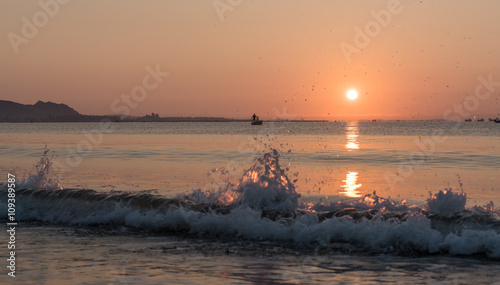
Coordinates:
[352,94]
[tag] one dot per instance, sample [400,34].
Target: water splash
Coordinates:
[489,209]
[446,202]
[263,186]
[266,186]
[41,178]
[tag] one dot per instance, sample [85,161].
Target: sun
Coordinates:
[352,94]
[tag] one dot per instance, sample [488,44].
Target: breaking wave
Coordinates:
[264,206]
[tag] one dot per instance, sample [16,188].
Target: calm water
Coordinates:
[189,202]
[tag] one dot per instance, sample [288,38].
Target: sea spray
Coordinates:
[266,186]
[263,186]
[41,178]
[446,202]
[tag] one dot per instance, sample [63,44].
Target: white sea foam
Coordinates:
[416,234]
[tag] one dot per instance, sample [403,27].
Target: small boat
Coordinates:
[255,120]
[468,120]
[480,120]
[497,120]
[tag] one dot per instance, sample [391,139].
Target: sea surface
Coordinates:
[231,203]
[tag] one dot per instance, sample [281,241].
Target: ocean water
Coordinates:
[281,203]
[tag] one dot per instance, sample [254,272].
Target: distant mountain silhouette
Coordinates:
[39,112]
[45,112]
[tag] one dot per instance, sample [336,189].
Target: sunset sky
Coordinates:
[234,58]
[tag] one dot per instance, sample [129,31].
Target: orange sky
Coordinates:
[264,55]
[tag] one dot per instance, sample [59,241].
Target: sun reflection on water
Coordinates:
[352,134]
[351,185]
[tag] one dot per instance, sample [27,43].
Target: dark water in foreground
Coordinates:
[144,259]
